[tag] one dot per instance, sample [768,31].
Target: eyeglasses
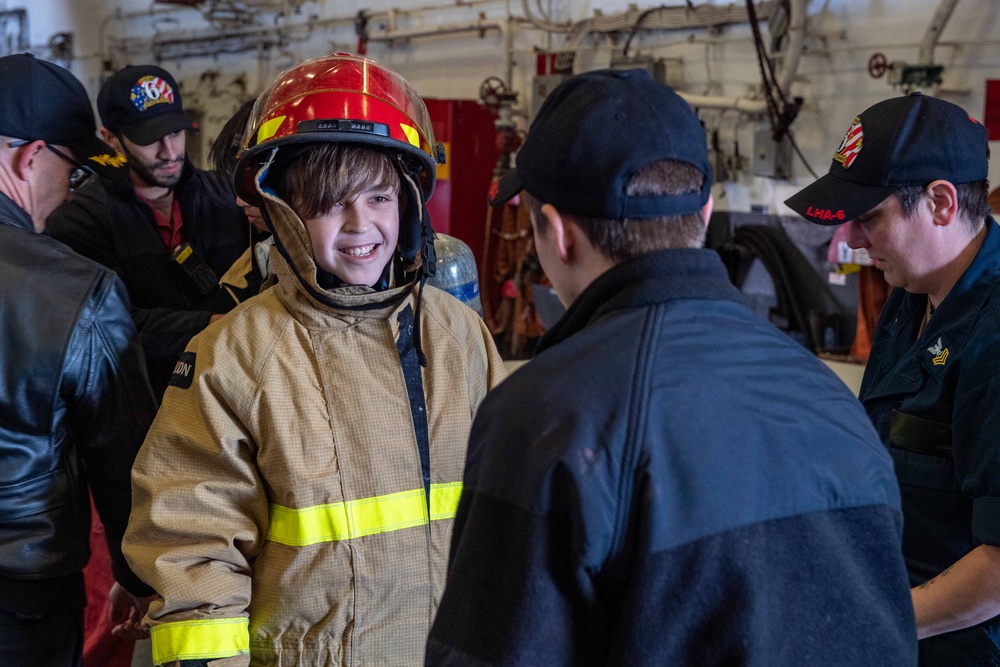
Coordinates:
[81,173]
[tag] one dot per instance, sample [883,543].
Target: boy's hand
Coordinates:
[125,611]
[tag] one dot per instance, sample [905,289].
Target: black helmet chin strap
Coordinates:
[416,236]
[423,243]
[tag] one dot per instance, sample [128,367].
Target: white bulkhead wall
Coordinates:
[476,37]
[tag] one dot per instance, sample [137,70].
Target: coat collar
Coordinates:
[13,215]
[651,279]
[910,359]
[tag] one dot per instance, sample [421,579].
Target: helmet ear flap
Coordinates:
[416,236]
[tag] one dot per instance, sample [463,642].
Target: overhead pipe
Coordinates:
[19,16]
[796,44]
[391,33]
[789,70]
[480,27]
[792,55]
[700,17]
[248,31]
[403,35]
[934,30]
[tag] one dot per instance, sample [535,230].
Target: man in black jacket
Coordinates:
[75,402]
[170,231]
[671,480]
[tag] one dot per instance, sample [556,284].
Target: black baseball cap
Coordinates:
[143,102]
[593,133]
[910,140]
[40,100]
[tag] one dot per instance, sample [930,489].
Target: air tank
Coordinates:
[456,271]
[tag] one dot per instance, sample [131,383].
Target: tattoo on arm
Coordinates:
[931,581]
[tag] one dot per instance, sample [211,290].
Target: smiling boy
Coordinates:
[295,496]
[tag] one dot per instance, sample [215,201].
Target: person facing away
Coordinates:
[295,496]
[671,480]
[252,271]
[169,231]
[910,177]
[75,401]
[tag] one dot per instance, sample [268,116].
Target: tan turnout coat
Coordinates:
[278,501]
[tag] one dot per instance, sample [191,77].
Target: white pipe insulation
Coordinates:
[934,30]
[789,69]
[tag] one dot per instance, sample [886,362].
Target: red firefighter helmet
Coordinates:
[338,98]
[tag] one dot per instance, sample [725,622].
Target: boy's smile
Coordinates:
[360,251]
[355,239]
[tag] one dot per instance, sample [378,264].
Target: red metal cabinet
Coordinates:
[458,207]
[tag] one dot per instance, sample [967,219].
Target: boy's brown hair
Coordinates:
[622,240]
[327,173]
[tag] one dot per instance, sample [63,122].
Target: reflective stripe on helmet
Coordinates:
[295,118]
[366,516]
[411,134]
[269,129]
[338,98]
[208,639]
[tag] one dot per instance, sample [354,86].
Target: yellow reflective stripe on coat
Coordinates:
[366,516]
[200,640]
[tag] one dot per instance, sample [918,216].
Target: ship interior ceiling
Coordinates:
[775,82]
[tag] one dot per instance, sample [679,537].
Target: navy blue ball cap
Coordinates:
[42,101]
[593,133]
[910,140]
[143,102]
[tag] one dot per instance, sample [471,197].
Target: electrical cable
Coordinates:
[780,116]
[758,38]
[643,16]
[795,147]
[772,110]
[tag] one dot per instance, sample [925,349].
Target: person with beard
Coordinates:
[169,231]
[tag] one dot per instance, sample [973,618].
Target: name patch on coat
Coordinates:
[183,371]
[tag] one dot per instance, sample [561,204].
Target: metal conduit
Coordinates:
[796,42]
[934,30]
[792,54]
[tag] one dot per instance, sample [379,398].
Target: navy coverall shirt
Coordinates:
[935,400]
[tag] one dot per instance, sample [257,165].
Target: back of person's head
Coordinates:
[622,240]
[143,104]
[623,156]
[224,152]
[342,99]
[41,101]
[896,148]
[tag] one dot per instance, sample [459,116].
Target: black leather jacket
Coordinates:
[75,404]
